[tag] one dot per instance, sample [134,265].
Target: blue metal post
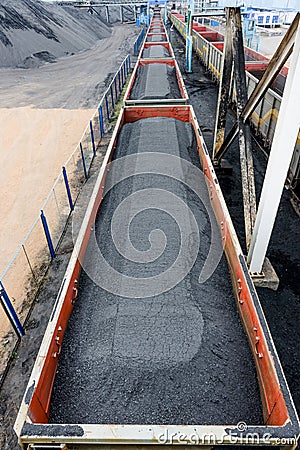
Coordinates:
[92,137]
[122,76]
[47,234]
[119,79]
[106,104]
[128,64]
[10,312]
[116,89]
[189,42]
[83,161]
[68,188]
[101,121]
[125,71]
[112,96]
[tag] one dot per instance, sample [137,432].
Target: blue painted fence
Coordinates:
[38,248]
[138,42]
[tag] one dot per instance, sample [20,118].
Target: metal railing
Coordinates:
[138,42]
[22,277]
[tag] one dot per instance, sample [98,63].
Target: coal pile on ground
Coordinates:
[33,32]
[179,356]
[156,51]
[155,81]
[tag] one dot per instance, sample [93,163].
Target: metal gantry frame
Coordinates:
[258,229]
[276,63]
[234,63]
[281,153]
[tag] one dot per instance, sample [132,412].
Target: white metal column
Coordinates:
[283,145]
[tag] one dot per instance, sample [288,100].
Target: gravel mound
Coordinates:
[33,32]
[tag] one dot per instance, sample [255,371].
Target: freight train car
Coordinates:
[140,349]
[208,44]
[156,78]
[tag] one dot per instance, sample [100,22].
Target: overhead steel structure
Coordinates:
[134,6]
[259,229]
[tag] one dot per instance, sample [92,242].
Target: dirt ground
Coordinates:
[44,112]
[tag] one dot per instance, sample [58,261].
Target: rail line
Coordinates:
[142,360]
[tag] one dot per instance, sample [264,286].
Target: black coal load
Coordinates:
[155,81]
[34,32]
[177,357]
[156,38]
[156,51]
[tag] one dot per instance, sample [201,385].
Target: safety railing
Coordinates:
[22,277]
[138,42]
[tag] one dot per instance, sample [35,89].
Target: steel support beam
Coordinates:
[107,13]
[285,136]
[189,42]
[276,63]
[224,87]
[246,159]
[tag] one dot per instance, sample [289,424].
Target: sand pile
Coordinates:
[33,32]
